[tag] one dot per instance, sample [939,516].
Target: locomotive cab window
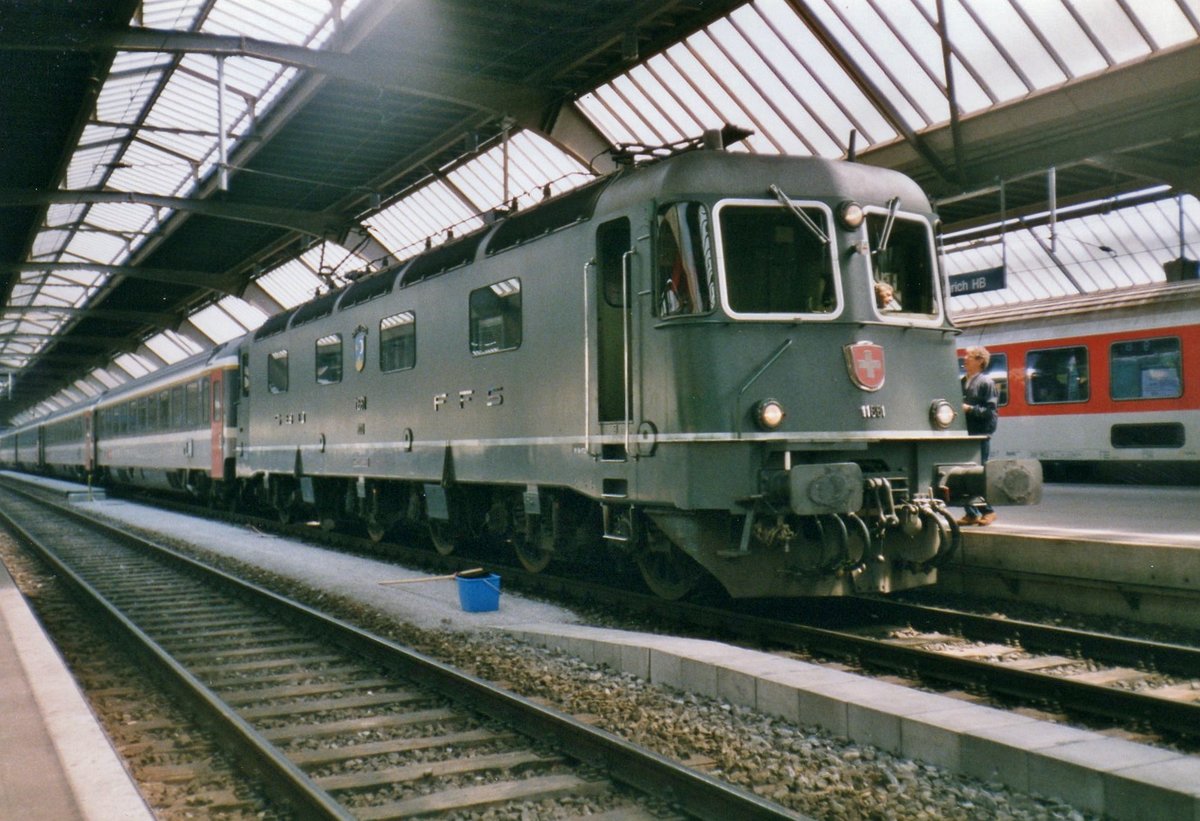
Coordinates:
[902,258]
[1057,375]
[1146,369]
[277,371]
[774,263]
[328,360]
[684,260]
[398,342]
[496,317]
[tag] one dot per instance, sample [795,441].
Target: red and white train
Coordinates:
[1098,387]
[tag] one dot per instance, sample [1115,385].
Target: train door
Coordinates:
[613,288]
[89,441]
[217,424]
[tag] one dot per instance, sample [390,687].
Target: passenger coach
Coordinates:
[1100,386]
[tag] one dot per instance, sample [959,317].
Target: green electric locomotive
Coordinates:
[714,365]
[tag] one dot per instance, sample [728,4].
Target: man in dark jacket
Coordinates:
[980,402]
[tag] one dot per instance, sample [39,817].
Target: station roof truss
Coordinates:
[176,171]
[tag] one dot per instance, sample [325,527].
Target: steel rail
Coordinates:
[689,791]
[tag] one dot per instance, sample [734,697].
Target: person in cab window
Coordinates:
[980,407]
[885,297]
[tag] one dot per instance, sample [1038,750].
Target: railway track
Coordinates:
[1115,680]
[338,723]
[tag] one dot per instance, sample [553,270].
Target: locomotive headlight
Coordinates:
[768,414]
[942,414]
[850,215]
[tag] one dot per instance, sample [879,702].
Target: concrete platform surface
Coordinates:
[56,763]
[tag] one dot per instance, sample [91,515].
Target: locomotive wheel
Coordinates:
[376,529]
[532,537]
[534,545]
[445,537]
[669,572]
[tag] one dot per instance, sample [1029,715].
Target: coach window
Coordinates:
[684,260]
[178,408]
[902,257]
[1146,369]
[398,342]
[495,317]
[329,359]
[997,370]
[1057,375]
[164,410]
[277,372]
[776,263]
[205,403]
[192,397]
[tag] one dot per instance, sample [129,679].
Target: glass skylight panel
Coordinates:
[331,262]
[134,365]
[290,284]
[97,246]
[249,316]
[771,108]
[99,148]
[189,102]
[169,348]
[171,14]
[427,213]
[1112,26]
[86,388]
[105,378]
[981,55]
[217,324]
[123,217]
[291,22]
[1068,40]
[132,82]
[49,243]
[1166,22]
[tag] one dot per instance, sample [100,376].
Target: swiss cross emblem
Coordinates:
[864,361]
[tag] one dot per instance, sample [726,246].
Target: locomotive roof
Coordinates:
[736,174]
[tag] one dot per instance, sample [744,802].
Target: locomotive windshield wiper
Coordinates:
[886,234]
[800,215]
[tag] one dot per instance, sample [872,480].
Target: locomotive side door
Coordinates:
[89,441]
[612,298]
[217,424]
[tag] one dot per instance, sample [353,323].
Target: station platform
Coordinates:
[1094,772]
[56,763]
[1118,550]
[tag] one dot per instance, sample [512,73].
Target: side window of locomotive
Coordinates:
[496,317]
[1146,369]
[774,263]
[328,359]
[1057,375]
[612,242]
[902,257]
[683,260]
[398,342]
[997,370]
[277,372]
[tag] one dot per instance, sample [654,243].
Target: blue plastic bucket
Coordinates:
[478,592]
